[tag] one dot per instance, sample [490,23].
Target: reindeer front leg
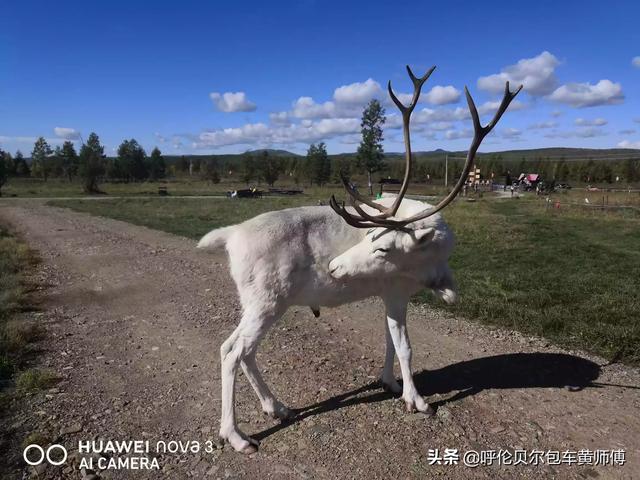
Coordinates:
[388,381]
[397,323]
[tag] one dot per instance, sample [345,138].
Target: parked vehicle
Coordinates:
[245,193]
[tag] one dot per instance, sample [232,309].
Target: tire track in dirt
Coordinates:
[135,320]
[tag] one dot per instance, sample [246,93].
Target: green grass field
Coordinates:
[180,186]
[59,187]
[569,274]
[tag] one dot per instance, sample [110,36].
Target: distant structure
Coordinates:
[474,176]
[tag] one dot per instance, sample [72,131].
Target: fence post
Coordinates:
[446,170]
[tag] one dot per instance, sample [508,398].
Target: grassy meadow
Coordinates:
[60,187]
[571,274]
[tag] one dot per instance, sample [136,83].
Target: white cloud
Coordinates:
[628,144]
[635,61]
[428,135]
[510,133]
[66,133]
[628,131]
[637,120]
[259,133]
[492,106]
[457,134]
[249,133]
[429,115]
[439,95]
[579,95]
[232,102]
[537,74]
[588,132]
[543,125]
[358,92]
[280,118]
[394,120]
[353,139]
[440,126]
[306,107]
[596,122]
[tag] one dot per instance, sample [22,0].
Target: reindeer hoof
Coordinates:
[430,411]
[240,442]
[417,404]
[280,412]
[249,449]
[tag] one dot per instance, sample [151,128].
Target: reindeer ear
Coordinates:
[419,237]
[424,235]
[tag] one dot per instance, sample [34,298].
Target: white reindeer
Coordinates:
[309,256]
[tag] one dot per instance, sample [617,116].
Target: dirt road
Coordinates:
[135,319]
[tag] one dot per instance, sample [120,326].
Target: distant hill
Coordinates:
[537,154]
[272,151]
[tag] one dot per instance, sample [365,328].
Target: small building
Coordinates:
[529,180]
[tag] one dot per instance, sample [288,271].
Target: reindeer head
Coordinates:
[419,254]
[404,238]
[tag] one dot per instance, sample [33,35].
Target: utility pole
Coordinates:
[446,170]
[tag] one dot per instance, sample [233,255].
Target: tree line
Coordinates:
[90,165]
[132,164]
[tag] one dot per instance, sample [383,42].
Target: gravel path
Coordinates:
[135,319]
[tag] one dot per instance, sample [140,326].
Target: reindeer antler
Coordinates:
[365,220]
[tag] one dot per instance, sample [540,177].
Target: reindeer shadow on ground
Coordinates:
[509,371]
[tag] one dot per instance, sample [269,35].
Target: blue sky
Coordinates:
[214,77]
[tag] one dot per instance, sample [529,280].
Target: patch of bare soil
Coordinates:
[135,319]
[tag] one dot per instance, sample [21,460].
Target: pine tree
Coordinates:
[269,167]
[370,152]
[131,161]
[22,167]
[318,168]
[39,164]
[69,160]
[9,163]
[91,163]
[4,171]
[341,169]
[249,171]
[209,170]
[157,166]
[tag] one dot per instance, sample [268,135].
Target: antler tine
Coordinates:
[506,100]
[479,133]
[406,119]
[475,118]
[366,220]
[350,219]
[398,103]
[359,222]
[356,196]
[417,86]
